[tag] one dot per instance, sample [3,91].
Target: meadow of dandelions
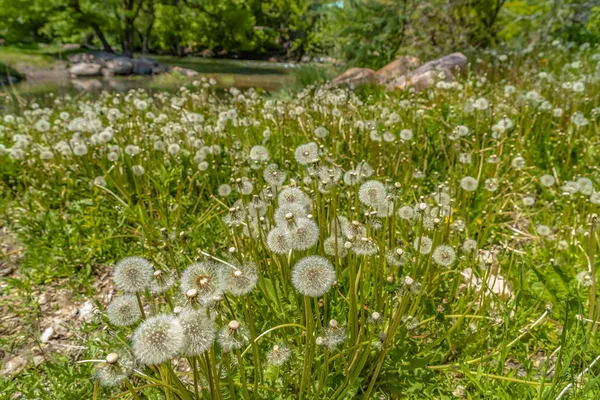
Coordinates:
[334,243]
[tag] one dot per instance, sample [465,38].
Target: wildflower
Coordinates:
[138,170]
[273,175]
[491,184]
[206,278]
[468,184]
[307,153]
[396,258]
[242,280]
[259,154]
[406,212]
[528,201]
[42,125]
[321,132]
[406,135]
[304,234]
[161,283]
[365,247]
[584,279]
[333,335]
[543,230]
[547,180]
[133,274]
[481,104]
[579,119]
[224,190]
[124,310]
[469,245]
[293,195]
[518,162]
[444,255]
[199,332]
[46,155]
[313,276]
[423,244]
[279,240]
[80,149]
[157,339]
[118,366]
[233,336]
[279,355]
[372,193]
[289,212]
[334,246]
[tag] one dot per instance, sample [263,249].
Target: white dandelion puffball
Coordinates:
[158,339]
[313,276]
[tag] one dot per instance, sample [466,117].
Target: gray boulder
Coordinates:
[120,66]
[143,66]
[85,69]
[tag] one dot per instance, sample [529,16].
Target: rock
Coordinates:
[87,84]
[421,80]
[71,46]
[85,69]
[119,66]
[399,67]
[46,335]
[158,69]
[86,311]
[98,57]
[143,66]
[184,71]
[423,77]
[14,365]
[356,77]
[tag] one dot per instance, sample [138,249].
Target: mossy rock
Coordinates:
[9,75]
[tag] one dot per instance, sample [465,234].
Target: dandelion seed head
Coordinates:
[158,339]
[313,276]
[206,278]
[199,332]
[241,281]
[444,255]
[133,274]
[279,355]
[124,310]
[372,193]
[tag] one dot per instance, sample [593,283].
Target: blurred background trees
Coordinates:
[362,32]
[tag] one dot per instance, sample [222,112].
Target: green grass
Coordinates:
[416,324]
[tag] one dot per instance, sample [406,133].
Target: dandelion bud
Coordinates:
[112,358]
[390,279]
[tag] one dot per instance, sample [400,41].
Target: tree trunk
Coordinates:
[105,45]
[129,38]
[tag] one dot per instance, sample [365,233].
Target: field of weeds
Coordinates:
[327,243]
